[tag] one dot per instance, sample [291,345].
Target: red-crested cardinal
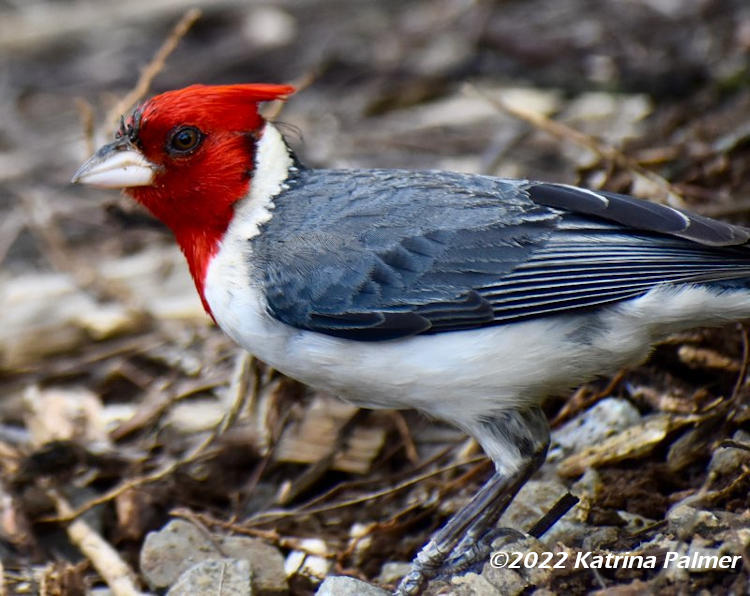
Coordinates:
[468,297]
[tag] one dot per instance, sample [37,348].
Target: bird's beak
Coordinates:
[117,165]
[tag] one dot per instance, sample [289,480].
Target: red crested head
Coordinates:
[188,156]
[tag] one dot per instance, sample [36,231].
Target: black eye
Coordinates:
[184,140]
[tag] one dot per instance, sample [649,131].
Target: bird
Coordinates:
[470,298]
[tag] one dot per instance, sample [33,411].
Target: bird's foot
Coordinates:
[432,562]
[471,554]
[424,567]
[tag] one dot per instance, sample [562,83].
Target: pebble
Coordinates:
[180,545]
[340,585]
[224,577]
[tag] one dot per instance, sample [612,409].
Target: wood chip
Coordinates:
[316,436]
[57,414]
[696,357]
[634,442]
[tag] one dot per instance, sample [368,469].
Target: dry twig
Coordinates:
[403,430]
[105,559]
[155,66]
[549,519]
[742,376]
[273,109]
[563,131]
[269,516]
[583,399]
[41,221]
[240,395]
[10,227]
[86,112]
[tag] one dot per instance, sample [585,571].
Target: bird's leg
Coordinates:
[464,530]
[517,442]
[509,437]
[476,544]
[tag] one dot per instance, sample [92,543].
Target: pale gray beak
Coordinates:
[116,165]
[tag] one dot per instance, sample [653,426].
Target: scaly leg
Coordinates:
[517,442]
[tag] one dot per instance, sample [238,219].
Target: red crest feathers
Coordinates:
[230,107]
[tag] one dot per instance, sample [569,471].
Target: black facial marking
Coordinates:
[130,130]
[251,141]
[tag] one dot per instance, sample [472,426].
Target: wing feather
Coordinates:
[376,255]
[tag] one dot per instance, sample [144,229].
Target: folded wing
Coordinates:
[391,254]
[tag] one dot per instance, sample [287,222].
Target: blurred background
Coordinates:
[110,371]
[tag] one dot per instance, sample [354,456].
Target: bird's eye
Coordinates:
[184,140]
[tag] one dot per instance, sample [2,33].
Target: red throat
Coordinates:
[199,250]
[198,236]
[196,201]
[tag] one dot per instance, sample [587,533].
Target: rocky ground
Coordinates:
[140,451]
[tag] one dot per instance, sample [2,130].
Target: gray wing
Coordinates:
[381,254]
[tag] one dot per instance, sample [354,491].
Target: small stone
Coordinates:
[266,562]
[600,538]
[311,560]
[392,572]
[606,418]
[634,442]
[531,573]
[505,581]
[341,585]
[472,584]
[193,416]
[222,577]
[168,553]
[685,521]
[726,461]
[172,550]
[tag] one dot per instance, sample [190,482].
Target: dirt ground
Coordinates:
[122,407]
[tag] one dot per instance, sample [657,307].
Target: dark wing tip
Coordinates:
[639,214]
[713,232]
